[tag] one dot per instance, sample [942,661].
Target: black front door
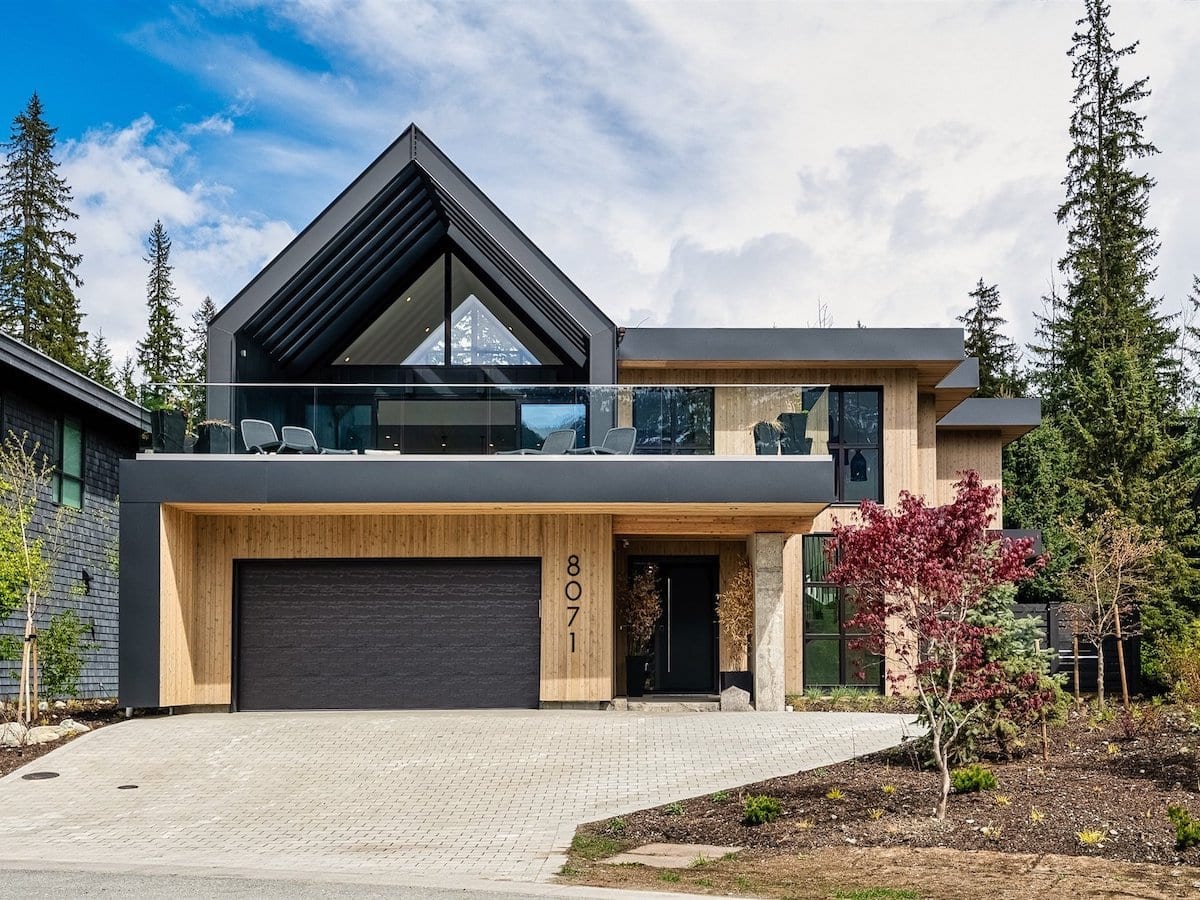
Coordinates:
[685,643]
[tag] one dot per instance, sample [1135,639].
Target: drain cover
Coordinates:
[126,787]
[39,776]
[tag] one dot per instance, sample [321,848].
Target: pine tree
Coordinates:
[99,363]
[197,362]
[37,268]
[160,352]
[1113,377]
[999,358]
[126,384]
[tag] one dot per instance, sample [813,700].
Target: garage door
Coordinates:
[388,634]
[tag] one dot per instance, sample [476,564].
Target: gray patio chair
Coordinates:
[259,436]
[618,442]
[556,444]
[766,439]
[297,439]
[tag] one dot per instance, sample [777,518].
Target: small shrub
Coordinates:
[1036,816]
[814,694]
[761,809]
[878,893]
[841,694]
[1179,663]
[60,654]
[835,794]
[992,832]
[1091,837]
[1112,749]
[888,790]
[617,825]
[1002,801]
[719,797]
[803,824]
[1187,829]
[972,779]
[669,876]
[875,814]
[674,809]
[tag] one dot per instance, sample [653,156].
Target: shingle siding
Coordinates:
[90,536]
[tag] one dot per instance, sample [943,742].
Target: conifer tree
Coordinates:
[161,351]
[99,363]
[197,361]
[37,268]
[999,358]
[126,384]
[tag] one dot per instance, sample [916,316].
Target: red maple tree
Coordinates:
[917,574]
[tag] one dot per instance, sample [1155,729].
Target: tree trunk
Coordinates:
[1121,663]
[23,688]
[1045,739]
[33,672]
[1075,654]
[943,768]
[1100,675]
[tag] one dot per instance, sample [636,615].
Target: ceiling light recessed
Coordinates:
[408,299]
[427,331]
[347,359]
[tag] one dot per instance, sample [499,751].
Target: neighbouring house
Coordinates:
[86,430]
[415,328]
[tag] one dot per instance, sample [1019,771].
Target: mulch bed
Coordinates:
[93,713]
[1116,776]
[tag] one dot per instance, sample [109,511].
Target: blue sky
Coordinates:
[686,163]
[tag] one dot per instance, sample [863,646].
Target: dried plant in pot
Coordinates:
[640,606]
[735,612]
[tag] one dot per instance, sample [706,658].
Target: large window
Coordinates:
[673,420]
[829,660]
[856,443]
[68,475]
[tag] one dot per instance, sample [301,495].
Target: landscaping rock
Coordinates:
[44,734]
[43,706]
[12,734]
[60,704]
[671,856]
[70,726]
[734,699]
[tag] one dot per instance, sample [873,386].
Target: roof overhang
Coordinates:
[1011,417]
[65,381]
[957,386]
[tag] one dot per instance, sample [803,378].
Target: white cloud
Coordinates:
[123,180]
[214,124]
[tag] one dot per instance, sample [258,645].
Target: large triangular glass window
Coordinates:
[477,338]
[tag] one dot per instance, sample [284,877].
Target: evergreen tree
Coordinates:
[999,358]
[1109,373]
[125,381]
[161,351]
[37,268]
[197,363]
[99,363]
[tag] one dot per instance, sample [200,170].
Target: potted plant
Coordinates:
[214,436]
[735,612]
[640,605]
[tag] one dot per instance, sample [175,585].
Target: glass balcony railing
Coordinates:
[725,420]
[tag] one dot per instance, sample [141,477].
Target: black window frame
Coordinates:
[61,474]
[838,447]
[673,394]
[816,543]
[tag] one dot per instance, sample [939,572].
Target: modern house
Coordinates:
[85,429]
[415,326]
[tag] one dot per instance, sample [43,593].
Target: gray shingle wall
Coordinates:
[90,536]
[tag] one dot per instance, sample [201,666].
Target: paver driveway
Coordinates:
[432,795]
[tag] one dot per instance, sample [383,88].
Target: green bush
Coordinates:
[761,809]
[60,654]
[1187,829]
[1179,665]
[972,779]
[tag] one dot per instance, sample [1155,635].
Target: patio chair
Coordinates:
[556,444]
[297,439]
[618,442]
[766,439]
[793,441]
[259,436]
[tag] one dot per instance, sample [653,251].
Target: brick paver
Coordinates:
[493,794]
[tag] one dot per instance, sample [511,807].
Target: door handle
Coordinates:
[668,623]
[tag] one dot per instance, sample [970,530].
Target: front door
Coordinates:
[685,643]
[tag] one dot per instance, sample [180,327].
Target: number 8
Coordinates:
[572,565]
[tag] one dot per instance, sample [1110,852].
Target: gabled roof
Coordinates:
[66,382]
[301,305]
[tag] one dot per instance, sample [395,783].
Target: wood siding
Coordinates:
[961,450]
[197,584]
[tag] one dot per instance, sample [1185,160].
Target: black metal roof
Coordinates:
[808,345]
[64,380]
[306,300]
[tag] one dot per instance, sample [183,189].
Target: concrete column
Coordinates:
[766,559]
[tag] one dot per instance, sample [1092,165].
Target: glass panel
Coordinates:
[447,426]
[863,669]
[835,415]
[820,610]
[72,493]
[401,335]
[72,448]
[673,420]
[484,331]
[860,417]
[539,419]
[860,475]
[821,663]
[692,420]
[816,565]
[849,611]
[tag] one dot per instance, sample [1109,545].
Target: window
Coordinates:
[673,420]
[829,660]
[68,476]
[855,442]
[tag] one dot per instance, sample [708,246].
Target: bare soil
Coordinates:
[1102,794]
[93,713]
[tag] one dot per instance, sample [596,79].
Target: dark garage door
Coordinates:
[388,634]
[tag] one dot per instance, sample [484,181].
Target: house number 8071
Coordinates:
[574,593]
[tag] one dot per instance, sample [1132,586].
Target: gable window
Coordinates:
[829,660]
[856,443]
[68,474]
[676,421]
[448,316]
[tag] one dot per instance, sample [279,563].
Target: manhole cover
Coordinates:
[126,787]
[39,776]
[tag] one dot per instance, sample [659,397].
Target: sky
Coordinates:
[686,164]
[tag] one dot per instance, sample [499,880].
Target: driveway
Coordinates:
[399,797]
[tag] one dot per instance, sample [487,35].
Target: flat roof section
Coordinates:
[1011,416]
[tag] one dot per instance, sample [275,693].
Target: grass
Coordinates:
[672,877]
[594,846]
[878,893]
[675,809]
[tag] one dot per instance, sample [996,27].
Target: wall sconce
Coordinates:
[87,581]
